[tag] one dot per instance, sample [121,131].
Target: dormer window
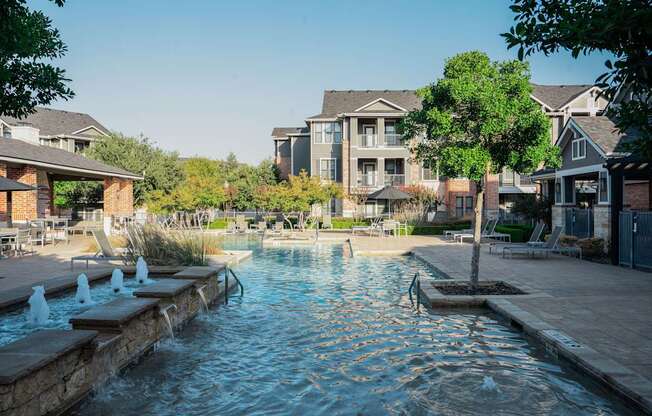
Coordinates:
[579,148]
[6,133]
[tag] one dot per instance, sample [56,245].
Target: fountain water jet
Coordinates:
[39,311]
[166,316]
[83,295]
[202,297]
[488,384]
[117,281]
[142,272]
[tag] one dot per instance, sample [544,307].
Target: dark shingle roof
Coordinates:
[284,131]
[603,132]
[10,185]
[51,122]
[336,102]
[556,96]
[18,149]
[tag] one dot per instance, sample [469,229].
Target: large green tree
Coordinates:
[28,45]
[160,169]
[622,28]
[478,119]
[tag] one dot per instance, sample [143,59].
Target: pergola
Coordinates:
[628,168]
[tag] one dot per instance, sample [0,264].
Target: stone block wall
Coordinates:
[602,222]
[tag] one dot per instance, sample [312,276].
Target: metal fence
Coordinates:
[635,242]
[578,222]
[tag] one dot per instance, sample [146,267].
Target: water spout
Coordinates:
[166,316]
[142,272]
[488,384]
[39,311]
[202,297]
[83,295]
[117,281]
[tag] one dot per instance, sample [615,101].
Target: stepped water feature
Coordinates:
[83,295]
[39,311]
[117,281]
[142,272]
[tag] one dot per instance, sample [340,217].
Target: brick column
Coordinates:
[4,197]
[491,199]
[24,204]
[111,195]
[126,198]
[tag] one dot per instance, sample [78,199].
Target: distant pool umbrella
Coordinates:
[389,193]
[8,185]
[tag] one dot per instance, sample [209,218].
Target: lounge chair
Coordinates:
[241,224]
[371,228]
[550,246]
[487,232]
[231,228]
[327,222]
[277,228]
[262,226]
[105,253]
[451,233]
[533,241]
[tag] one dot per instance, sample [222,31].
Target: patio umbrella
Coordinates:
[390,194]
[8,185]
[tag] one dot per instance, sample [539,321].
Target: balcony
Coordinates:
[394,179]
[368,140]
[367,180]
[393,140]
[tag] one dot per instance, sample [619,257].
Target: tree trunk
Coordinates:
[477,235]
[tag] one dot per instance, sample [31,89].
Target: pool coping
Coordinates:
[633,389]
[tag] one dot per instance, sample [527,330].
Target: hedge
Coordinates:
[436,229]
[519,233]
[347,223]
[217,224]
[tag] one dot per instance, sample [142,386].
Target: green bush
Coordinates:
[347,223]
[218,224]
[518,232]
[436,229]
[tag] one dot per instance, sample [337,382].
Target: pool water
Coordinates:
[318,333]
[14,325]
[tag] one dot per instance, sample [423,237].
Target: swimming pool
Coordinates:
[320,333]
[14,325]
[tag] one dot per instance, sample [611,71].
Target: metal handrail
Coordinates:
[416,283]
[227,270]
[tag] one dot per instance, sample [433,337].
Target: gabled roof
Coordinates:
[283,132]
[18,151]
[343,101]
[52,122]
[556,96]
[603,132]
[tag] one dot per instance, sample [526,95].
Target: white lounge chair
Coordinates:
[105,253]
[488,232]
[533,241]
[550,246]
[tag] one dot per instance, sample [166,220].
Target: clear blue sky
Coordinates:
[209,77]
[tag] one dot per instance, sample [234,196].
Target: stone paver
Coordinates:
[164,288]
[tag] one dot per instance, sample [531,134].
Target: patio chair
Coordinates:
[105,253]
[21,242]
[550,246]
[371,228]
[37,232]
[277,228]
[262,226]
[533,241]
[241,224]
[487,232]
[231,228]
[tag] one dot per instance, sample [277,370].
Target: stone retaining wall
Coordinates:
[50,371]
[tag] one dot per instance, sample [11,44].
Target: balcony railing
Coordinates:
[394,179]
[368,179]
[368,140]
[393,140]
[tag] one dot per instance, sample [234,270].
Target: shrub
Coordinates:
[591,247]
[160,246]
[519,233]
[218,224]
[347,223]
[436,229]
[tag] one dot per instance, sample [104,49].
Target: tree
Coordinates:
[476,120]
[620,27]
[160,169]
[74,194]
[28,44]
[423,200]
[533,207]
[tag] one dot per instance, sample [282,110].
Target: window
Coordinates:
[327,133]
[6,133]
[392,138]
[459,206]
[81,145]
[579,149]
[469,205]
[558,191]
[603,185]
[430,171]
[327,169]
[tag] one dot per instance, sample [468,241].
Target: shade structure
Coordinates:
[8,185]
[390,194]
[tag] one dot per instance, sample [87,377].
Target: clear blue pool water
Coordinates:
[317,333]
[14,325]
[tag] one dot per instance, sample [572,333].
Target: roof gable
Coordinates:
[52,122]
[283,132]
[601,132]
[379,105]
[338,102]
[555,97]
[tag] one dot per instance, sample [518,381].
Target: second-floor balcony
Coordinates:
[368,180]
[394,179]
[368,140]
[393,140]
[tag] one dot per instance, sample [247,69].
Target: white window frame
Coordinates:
[559,180]
[334,160]
[604,174]
[581,145]
[319,137]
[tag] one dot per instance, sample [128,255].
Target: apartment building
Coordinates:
[354,141]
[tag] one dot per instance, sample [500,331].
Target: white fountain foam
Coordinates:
[142,272]
[488,384]
[83,295]
[117,281]
[39,311]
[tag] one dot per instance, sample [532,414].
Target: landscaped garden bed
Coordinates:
[484,289]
